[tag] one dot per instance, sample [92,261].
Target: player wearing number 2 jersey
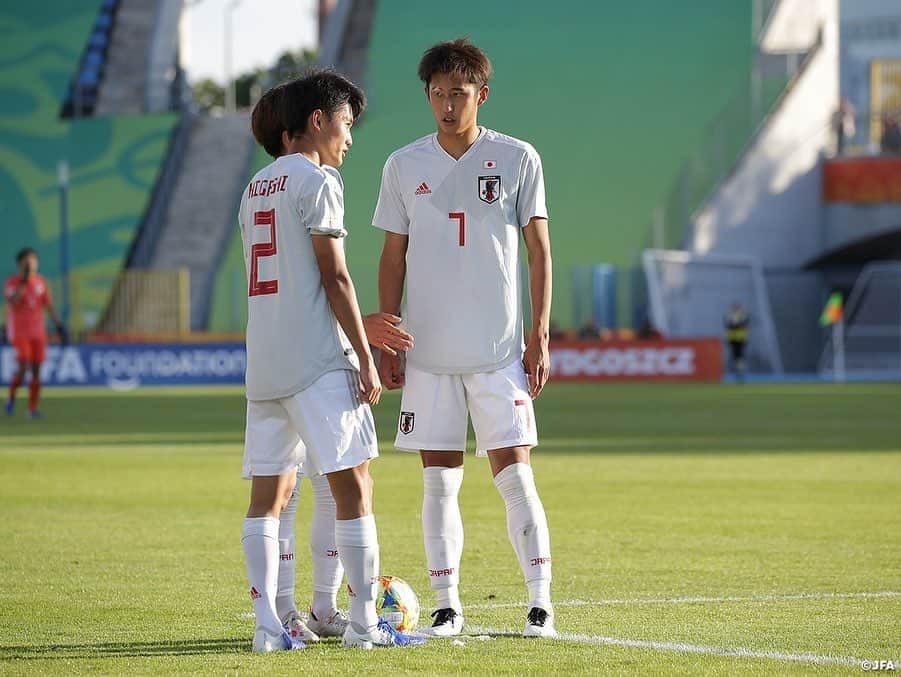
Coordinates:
[310,373]
[454,206]
[325,620]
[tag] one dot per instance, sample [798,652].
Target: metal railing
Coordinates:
[150,302]
[875,132]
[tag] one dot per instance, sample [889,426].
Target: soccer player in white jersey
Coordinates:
[325,620]
[310,373]
[453,206]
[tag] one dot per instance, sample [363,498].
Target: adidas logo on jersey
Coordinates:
[423,189]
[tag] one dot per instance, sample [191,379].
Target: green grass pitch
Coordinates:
[696,529]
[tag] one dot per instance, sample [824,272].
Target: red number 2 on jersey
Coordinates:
[259,250]
[461,217]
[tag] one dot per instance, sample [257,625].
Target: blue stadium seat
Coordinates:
[93,58]
[98,39]
[89,78]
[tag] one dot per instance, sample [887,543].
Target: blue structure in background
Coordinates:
[603,296]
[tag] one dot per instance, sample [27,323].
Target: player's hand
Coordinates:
[383,333]
[370,385]
[63,334]
[537,363]
[391,371]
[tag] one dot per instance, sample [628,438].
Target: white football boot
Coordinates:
[300,630]
[381,635]
[333,626]
[263,642]
[540,623]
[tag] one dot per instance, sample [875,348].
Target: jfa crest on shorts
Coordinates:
[407,419]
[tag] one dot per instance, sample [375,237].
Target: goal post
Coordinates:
[690,294]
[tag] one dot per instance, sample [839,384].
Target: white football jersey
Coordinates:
[292,335]
[463,302]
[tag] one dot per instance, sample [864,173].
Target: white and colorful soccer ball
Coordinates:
[397,604]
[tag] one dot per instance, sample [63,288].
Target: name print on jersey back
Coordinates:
[263,187]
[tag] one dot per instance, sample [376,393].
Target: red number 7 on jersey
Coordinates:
[261,249]
[461,217]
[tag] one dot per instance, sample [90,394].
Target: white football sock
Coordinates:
[259,538]
[527,528]
[442,531]
[327,568]
[284,596]
[358,546]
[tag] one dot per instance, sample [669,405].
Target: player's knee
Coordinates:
[352,491]
[287,490]
[360,491]
[501,459]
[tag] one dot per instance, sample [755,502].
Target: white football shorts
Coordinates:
[324,427]
[434,408]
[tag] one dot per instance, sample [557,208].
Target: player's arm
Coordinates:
[61,330]
[342,297]
[392,273]
[14,292]
[536,359]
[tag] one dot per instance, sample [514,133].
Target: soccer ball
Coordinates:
[397,604]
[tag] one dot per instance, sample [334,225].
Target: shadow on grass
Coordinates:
[124,649]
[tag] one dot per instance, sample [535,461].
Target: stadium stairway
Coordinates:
[345,45]
[204,202]
[125,78]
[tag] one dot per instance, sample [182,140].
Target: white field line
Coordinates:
[682,647]
[683,600]
[696,600]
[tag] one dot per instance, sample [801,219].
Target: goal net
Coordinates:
[689,296]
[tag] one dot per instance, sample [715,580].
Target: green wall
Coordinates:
[614,95]
[113,161]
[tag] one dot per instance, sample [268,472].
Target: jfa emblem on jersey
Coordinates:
[489,188]
[406,422]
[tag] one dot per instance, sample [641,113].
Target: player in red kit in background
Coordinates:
[26,295]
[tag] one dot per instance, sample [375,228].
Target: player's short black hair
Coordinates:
[27,251]
[456,57]
[321,89]
[265,122]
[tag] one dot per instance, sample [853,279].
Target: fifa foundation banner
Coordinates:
[128,366]
[663,360]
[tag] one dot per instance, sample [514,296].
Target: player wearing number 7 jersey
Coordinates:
[310,373]
[454,205]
